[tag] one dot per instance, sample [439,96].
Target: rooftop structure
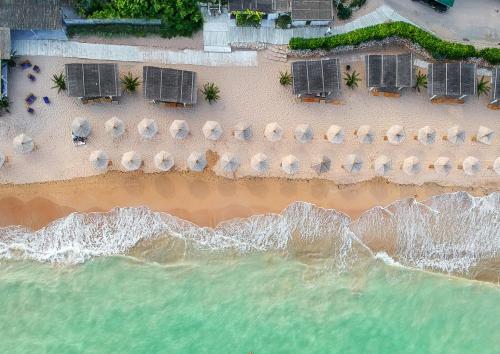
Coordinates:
[4,43]
[169,85]
[31,14]
[389,72]
[455,80]
[266,6]
[93,80]
[312,10]
[316,77]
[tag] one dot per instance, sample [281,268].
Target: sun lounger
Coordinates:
[26,64]
[30,99]
[78,141]
[31,77]
[46,100]
[36,69]
[30,110]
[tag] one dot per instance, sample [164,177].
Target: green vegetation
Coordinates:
[59,82]
[343,12]
[11,62]
[285,78]
[283,21]
[436,47]
[4,105]
[114,30]
[130,83]
[248,18]
[482,87]
[211,92]
[351,80]
[421,81]
[179,17]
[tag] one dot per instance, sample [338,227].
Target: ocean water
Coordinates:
[400,279]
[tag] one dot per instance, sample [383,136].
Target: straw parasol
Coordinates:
[259,162]
[242,131]
[212,130]
[352,164]
[273,132]
[229,162]
[147,128]
[179,129]
[335,134]
[382,165]
[365,134]
[443,165]
[131,161]
[197,161]
[164,161]
[471,165]
[456,135]
[290,164]
[396,135]
[321,164]
[485,135]
[23,144]
[80,127]
[2,159]
[99,160]
[303,133]
[411,165]
[426,135]
[115,127]
[496,166]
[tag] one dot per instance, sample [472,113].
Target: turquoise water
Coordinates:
[263,303]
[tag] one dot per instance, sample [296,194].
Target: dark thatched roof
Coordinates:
[451,79]
[93,80]
[31,14]
[316,77]
[266,6]
[389,71]
[4,43]
[312,10]
[169,85]
[495,85]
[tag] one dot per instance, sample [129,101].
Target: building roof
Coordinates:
[448,3]
[451,79]
[266,6]
[495,85]
[31,14]
[4,43]
[316,77]
[169,85]
[389,71]
[312,10]
[93,80]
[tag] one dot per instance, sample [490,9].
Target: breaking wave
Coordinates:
[453,233]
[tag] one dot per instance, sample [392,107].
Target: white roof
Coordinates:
[456,135]
[273,132]
[303,133]
[179,129]
[411,165]
[131,161]
[164,161]
[229,162]
[443,165]
[352,164]
[321,164]
[23,144]
[147,128]
[365,134]
[80,127]
[496,166]
[426,135]
[115,127]
[212,130]
[485,135]
[290,164]
[242,131]
[382,165]
[471,165]
[259,162]
[197,161]
[2,159]
[396,134]
[335,134]
[99,160]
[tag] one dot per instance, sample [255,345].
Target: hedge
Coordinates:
[436,47]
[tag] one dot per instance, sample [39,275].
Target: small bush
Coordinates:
[248,18]
[283,21]
[211,92]
[59,81]
[285,78]
[130,83]
[343,12]
[357,3]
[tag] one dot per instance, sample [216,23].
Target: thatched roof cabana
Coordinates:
[389,72]
[4,43]
[316,77]
[93,80]
[495,86]
[31,14]
[266,6]
[169,85]
[454,80]
[312,10]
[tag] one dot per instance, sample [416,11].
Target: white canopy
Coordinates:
[99,160]
[114,127]
[197,161]
[147,128]
[164,161]
[485,135]
[471,165]
[365,134]
[335,134]
[411,165]
[131,161]
[81,127]
[2,159]
[426,135]
[290,164]
[496,166]
[321,164]
[179,129]
[212,130]
[396,134]
[259,162]
[456,135]
[382,165]
[303,133]
[242,131]
[273,132]
[443,165]
[23,144]
[352,164]
[229,162]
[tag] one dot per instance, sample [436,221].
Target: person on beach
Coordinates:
[328,31]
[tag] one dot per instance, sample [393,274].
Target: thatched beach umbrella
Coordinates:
[259,162]
[485,135]
[496,166]
[395,135]
[179,129]
[2,159]
[290,164]
[197,161]
[242,131]
[114,127]
[303,133]
[471,165]
[99,160]
[365,134]
[456,135]
[335,134]
[229,162]
[164,161]
[443,165]
[23,144]
[382,165]
[411,165]
[321,164]
[352,164]
[212,130]
[426,135]
[273,132]
[147,128]
[80,127]
[131,161]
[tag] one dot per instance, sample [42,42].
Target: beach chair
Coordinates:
[30,99]
[26,64]
[31,77]
[36,69]
[77,140]
[30,110]
[46,100]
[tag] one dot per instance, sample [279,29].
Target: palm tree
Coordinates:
[130,83]
[59,82]
[4,104]
[351,80]
[11,62]
[211,92]
[285,78]
[482,87]
[421,81]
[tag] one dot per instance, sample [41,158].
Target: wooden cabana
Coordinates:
[266,6]
[451,81]
[316,78]
[495,89]
[93,82]
[389,73]
[175,87]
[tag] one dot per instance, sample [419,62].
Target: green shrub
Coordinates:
[343,12]
[436,47]
[248,18]
[283,21]
[357,3]
[285,78]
